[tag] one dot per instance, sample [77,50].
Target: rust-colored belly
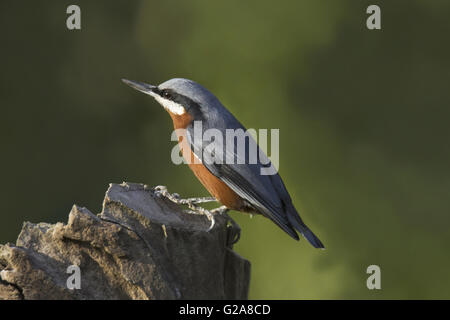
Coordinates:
[216,187]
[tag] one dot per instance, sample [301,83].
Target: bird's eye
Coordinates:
[166,94]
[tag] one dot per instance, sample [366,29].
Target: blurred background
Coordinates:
[363,118]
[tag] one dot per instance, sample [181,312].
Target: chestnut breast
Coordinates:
[216,187]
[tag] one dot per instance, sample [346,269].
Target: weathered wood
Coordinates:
[140,246]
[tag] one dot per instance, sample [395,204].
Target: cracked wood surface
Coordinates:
[140,246]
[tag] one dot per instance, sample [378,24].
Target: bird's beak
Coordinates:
[141,86]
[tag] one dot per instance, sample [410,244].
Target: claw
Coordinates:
[191,203]
[213,222]
[220,210]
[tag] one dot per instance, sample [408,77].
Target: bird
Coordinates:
[237,186]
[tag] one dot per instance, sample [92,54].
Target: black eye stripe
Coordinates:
[186,102]
[167,94]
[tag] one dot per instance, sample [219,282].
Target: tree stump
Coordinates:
[141,246]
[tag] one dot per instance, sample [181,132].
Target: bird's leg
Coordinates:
[190,202]
[201,200]
[234,229]
[175,197]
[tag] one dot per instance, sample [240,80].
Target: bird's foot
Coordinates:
[205,212]
[234,232]
[220,210]
[175,197]
[190,202]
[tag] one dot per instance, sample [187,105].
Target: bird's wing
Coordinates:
[246,180]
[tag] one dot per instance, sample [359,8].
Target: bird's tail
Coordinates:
[298,224]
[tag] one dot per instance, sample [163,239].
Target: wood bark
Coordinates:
[141,246]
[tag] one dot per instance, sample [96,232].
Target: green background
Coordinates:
[363,118]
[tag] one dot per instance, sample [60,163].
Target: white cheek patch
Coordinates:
[171,106]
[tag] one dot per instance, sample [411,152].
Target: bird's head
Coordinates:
[185,100]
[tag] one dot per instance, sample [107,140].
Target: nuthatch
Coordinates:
[237,186]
